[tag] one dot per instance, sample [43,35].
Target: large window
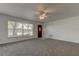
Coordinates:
[19,29]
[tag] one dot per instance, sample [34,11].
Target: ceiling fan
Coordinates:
[44,11]
[43,14]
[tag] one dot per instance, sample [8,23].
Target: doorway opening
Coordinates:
[39,31]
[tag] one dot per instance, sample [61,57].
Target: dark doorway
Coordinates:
[39,31]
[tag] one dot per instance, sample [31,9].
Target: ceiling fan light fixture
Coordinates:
[43,16]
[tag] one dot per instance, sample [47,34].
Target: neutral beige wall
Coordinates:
[65,29]
[4,29]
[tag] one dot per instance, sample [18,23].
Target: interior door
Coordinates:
[39,31]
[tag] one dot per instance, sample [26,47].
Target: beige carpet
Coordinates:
[35,47]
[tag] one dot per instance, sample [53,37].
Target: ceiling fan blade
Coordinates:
[53,9]
[40,7]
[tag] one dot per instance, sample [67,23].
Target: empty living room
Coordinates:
[39,29]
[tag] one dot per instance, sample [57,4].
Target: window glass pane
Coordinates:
[31,33]
[30,26]
[25,27]
[11,25]
[30,29]
[18,30]
[10,33]
[25,32]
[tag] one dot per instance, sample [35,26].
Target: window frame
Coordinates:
[15,29]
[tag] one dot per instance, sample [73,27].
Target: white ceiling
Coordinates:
[28,10]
